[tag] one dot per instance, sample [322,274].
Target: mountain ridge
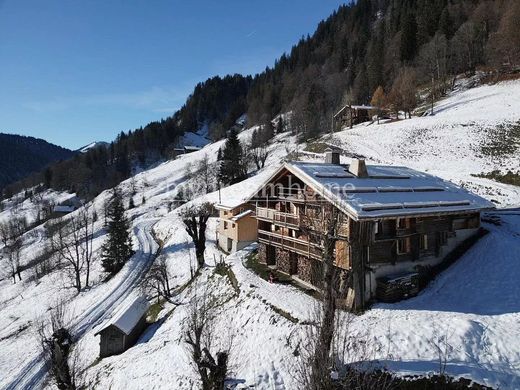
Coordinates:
[22,155]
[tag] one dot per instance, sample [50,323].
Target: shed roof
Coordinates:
[128,316]
[388,191]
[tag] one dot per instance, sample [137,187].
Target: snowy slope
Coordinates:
[474,302]
[450,143]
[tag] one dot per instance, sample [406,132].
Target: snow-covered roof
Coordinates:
[64,209]
[241,215]
[128,316]
[193,148]
[356,107]
[388,191]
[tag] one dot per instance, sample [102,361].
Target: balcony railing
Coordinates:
[277,216]
[297,245]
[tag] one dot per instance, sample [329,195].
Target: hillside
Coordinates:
[473,303]
[20,156]
[400,46]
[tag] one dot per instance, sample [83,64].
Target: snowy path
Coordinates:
[32,375]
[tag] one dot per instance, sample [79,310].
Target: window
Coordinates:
[403,246]
[225,225]
[424,242]
[378,228]
[232,225]
[402,223]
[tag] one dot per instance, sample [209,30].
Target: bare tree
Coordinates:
[322,222]
[433,58]
[403,95]
[195,220]
[56,343]
[72,241]
[259,155]
[504,45]
[11,236]
[157,280]
[199,335]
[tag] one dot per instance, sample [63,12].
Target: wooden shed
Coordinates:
[351,115]
[124,328]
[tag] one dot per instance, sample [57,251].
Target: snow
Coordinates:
[31,207]
[474,303]
[388,191]
[92,145]
[128,316]
[449,143]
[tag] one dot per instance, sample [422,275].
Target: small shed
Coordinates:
[351,115]
[124,328]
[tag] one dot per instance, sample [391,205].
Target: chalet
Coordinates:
[237,227]
[394,222]
[351,115]
[67,207]
[124,328]
[186,149]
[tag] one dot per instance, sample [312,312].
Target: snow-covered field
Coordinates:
[474,303]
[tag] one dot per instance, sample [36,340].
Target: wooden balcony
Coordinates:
[291,244]
[277,217]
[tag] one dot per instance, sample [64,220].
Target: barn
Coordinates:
[124,328]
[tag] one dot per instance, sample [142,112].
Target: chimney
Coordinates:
[358,168]
[331,156]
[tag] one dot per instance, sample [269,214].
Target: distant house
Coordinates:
[237,226]
[67,206]
[351,115]
[124,328]
[394,223]
[184,150]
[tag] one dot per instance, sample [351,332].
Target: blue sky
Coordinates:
[72,72]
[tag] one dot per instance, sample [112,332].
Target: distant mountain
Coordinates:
[93,145]
[20,156]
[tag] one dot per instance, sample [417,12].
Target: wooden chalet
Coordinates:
[394,222]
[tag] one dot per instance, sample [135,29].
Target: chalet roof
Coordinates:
[356,107]
[64,209]
[193,148]
[388,191]
[128,316]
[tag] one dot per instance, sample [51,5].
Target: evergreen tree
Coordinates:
[232,167]
[409,37]
[117,248]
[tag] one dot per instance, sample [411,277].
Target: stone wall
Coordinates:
[305,268]
[282,260]
[262,253]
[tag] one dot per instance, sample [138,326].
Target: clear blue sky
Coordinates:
[72,72]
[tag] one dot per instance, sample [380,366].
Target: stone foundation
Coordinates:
[305,268]
[283,260]
[262,253]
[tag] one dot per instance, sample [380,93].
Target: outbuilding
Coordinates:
[124,328]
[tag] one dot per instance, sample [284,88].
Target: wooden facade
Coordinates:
[237,227]
[124,328]
[365,251]
[114,341]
